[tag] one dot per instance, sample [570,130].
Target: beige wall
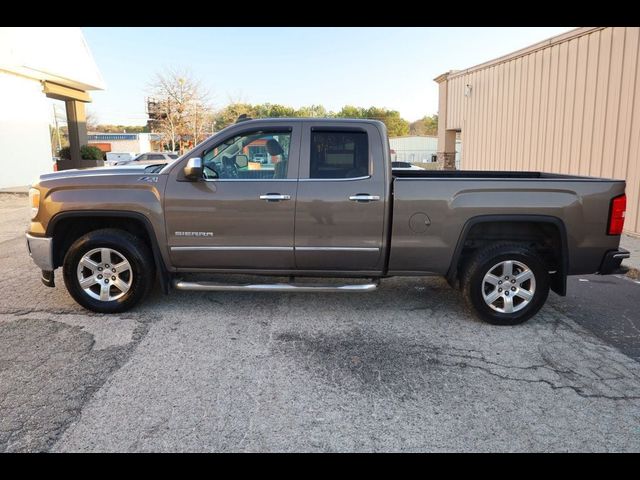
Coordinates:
[570,104]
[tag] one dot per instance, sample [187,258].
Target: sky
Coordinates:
[295,66]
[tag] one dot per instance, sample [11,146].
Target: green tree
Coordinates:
[349,111]
[314,111]
[229,114]
[396,125]
[268,110]
[425,126]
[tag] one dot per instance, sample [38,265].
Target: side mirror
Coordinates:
[194,170]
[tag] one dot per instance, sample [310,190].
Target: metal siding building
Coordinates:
[570,104]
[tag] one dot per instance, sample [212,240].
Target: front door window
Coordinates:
[257,155]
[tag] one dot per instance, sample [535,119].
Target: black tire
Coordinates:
[125,245]
[474,287]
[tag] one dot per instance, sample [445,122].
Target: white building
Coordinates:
[123,142]
[38,64]
[417,149]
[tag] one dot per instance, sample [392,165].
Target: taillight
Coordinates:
[616,215]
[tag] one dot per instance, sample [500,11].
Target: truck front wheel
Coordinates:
[108,270]
[505,284]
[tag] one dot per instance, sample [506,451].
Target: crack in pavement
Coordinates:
[362,358]
[551,384]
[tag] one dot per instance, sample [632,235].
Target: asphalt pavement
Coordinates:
[405,368]
[606,305]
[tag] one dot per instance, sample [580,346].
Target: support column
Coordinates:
[77,125]
[74,101]
[446,138]
[447,154]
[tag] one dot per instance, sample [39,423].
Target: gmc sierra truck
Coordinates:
[326,204]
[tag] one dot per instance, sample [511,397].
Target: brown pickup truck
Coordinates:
[318,198]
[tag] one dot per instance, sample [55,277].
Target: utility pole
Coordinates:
[55,121]
[181,112]
[195,123]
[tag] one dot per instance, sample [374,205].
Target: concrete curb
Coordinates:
[23,189]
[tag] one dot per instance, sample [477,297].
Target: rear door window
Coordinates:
[339,154]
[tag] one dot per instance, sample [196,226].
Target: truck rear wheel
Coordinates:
[505,283]
[108,270]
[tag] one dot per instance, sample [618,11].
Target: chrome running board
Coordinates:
[180,284]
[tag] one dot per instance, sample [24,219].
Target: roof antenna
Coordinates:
[243,118]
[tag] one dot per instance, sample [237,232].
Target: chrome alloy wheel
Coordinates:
[508,286]
[104,274]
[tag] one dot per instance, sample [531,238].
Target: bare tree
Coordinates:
[178,109]
[91,120]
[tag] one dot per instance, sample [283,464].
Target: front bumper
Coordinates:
[41,251]
[612,260]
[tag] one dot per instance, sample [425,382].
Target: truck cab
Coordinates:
[322,208]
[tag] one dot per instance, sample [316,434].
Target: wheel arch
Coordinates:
[558,280]
[66,227]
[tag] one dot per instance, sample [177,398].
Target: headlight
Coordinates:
[34,201]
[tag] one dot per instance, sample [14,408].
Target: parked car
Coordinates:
[150,158]
[260,158]
[331,207]
[404,166]
[115,158]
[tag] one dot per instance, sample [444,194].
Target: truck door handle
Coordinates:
[364,197]
[274,197]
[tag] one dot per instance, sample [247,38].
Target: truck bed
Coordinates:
[463,174]
[432,209]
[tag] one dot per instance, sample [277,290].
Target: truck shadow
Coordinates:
[365,362]
[375,342]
